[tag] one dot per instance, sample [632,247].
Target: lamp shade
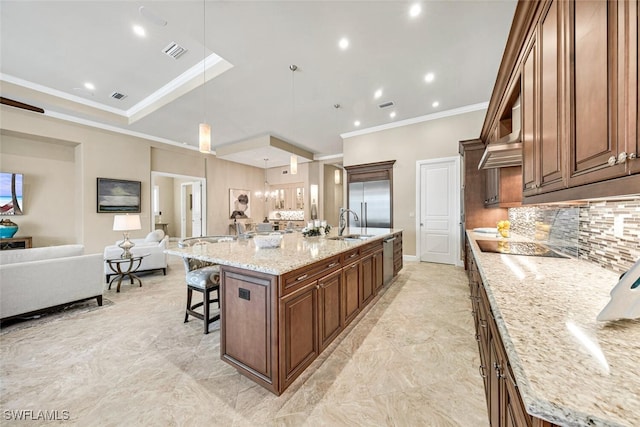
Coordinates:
[205,138]
[126,222]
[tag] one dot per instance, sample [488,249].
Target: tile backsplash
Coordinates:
[605,232]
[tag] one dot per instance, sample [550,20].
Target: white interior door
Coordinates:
[438,194]
[196,212]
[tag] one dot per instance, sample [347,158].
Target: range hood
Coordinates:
[507,151]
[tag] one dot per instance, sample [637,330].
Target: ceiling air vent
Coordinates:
[386,104]
[118,95]
[174,50]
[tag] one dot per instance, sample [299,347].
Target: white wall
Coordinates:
[407,144]
[65,181]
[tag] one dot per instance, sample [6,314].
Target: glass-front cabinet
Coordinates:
[287,196]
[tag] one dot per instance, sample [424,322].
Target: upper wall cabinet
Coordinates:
[603,39]
[542,101]
[577,64]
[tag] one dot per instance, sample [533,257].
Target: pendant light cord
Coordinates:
[204,60]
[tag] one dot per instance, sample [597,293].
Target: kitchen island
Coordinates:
[545,359]
[281,307]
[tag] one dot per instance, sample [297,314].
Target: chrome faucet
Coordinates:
[342,222]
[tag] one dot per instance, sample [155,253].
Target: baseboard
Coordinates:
[410,258]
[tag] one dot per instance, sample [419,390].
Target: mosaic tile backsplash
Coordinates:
[606,232]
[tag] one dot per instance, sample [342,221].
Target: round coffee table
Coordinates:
[125,267]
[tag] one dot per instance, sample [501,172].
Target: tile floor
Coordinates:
[409,360]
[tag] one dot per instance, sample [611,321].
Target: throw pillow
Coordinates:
[154,236]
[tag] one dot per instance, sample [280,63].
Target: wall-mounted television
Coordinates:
[11,193]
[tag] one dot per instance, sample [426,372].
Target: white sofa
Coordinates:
[35,279]
[154,244]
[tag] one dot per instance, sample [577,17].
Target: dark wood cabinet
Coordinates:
[330,321]
[249,315]
[543,101]
[274,327]
[351,294]
[397,253]
[503,187]
[367,286]
[299,329]
[492,187]
[378,278]
[577,66]
[594,42]
[505,407]
[528,97]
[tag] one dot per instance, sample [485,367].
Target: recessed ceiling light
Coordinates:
[435,104]
[392,114]
[343,43]
[377,94]
[356,123]
[139,31]
[429,77]
[415,10]
[89,86]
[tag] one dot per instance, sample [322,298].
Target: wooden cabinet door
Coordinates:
[550,147]
[492,187]
[351,285]
[299,314]
[367,271]
[378,278]
[628,90]
[329,308]
[595,84]
[528,96]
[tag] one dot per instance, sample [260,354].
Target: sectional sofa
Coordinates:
[35,279]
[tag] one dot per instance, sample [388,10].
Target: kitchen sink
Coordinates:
[352,237]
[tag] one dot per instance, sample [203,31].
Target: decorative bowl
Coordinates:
[264,241]
[7,228]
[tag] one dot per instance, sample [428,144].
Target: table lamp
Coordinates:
[126,223]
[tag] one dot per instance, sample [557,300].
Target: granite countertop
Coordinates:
[295,251]
[570,369]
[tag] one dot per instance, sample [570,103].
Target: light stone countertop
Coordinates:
[570,369]
[295,251]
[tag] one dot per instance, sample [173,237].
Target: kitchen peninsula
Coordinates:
[281,307]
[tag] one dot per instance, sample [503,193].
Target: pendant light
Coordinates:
[204,140]
[293,164]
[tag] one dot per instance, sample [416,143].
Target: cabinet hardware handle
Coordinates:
[352,255]
[622,157]
[483,323]
[333,264]
[632,155]
[304,276]
[612,161]
[354,265]
[481,370]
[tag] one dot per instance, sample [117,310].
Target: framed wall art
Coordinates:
[118,196]
[239,204]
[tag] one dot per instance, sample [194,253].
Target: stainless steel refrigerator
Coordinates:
[371,200]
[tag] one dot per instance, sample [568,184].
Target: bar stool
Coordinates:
[205,280]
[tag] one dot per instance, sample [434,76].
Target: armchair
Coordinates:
[154,244]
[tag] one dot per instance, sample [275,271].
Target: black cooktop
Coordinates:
[517,248]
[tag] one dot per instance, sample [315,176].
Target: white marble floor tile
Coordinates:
[410,360]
